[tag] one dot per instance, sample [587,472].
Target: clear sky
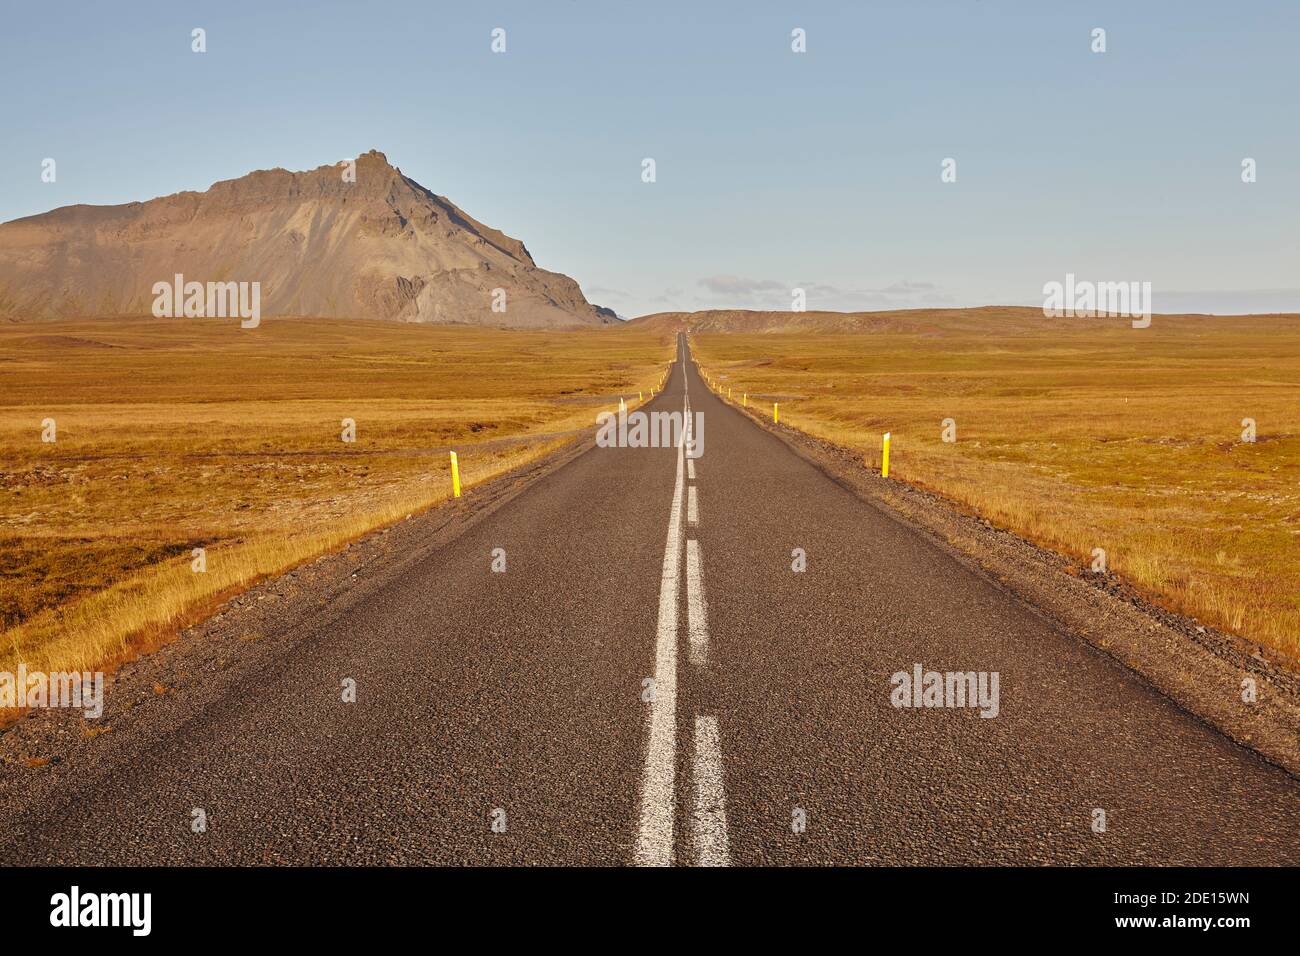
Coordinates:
[775,169]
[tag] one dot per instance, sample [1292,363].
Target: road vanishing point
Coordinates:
[650,682]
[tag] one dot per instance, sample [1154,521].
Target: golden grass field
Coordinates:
[1077,434]
[178,434]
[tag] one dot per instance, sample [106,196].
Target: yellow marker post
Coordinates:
[884,456]
[455,476]
[640,397]
[728,391]
[745,400]
[776,415]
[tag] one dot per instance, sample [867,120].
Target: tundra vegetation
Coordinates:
[177,434]
[1078,434]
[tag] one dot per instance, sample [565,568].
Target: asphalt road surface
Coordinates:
[651,681]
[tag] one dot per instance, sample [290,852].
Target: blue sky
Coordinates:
[774,169]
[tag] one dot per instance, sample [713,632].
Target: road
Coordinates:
[651,681]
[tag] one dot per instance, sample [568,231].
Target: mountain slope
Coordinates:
[382,247]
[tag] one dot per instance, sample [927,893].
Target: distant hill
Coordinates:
[899,320]
[382,247]
[993,318]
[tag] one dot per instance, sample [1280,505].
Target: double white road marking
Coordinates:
[709,829]
[654,844]
[655,836]
[697,614]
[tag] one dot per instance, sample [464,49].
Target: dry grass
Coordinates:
[174,435]
[1078,434]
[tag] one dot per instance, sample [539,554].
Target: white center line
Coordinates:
[690,468]
[697,612]
[654,844]
[692,506]
[709,830]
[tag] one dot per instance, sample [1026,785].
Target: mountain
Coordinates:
[380,247]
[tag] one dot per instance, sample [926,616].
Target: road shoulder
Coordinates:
[48,752]
[1201,669]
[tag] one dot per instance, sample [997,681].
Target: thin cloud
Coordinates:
[743,292]
[737,285]
[604,292]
